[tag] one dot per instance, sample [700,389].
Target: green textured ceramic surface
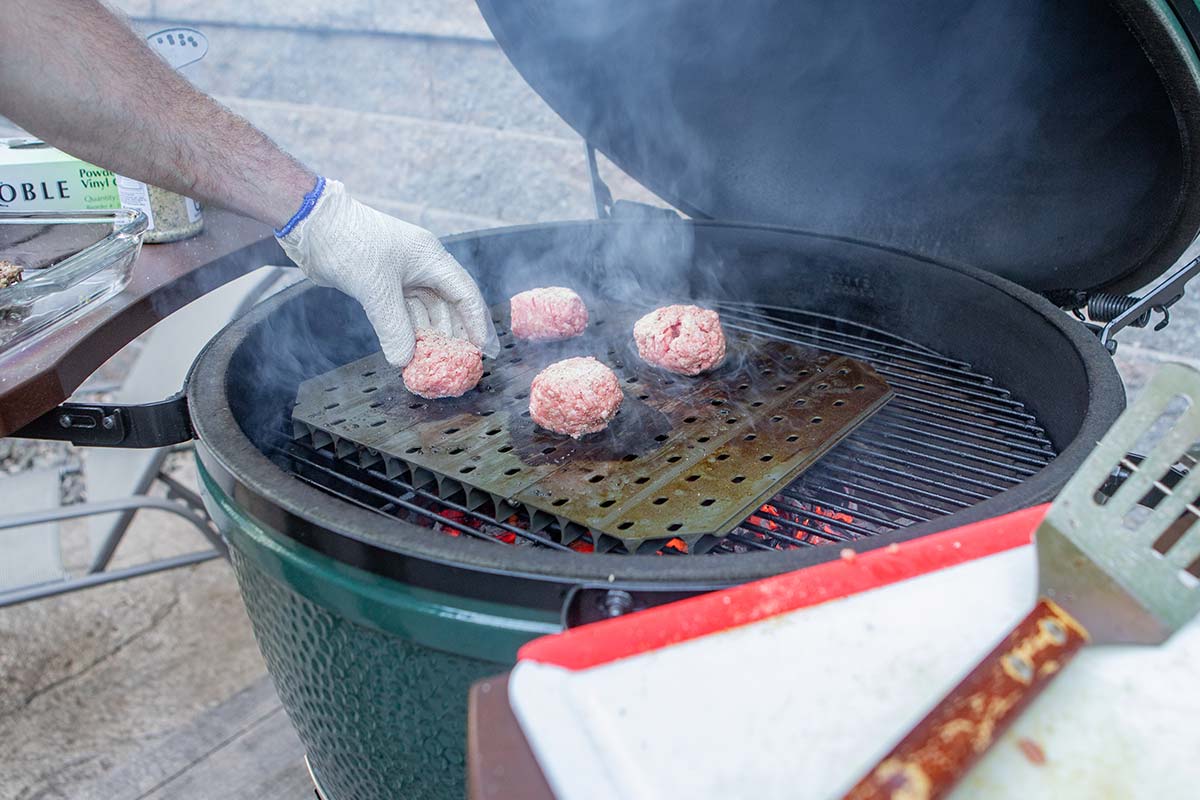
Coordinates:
[373,674]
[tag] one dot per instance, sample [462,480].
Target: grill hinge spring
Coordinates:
[1105,307]
[1107,313]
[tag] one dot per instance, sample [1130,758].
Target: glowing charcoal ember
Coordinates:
[834,531]
[784,524]
[768,522]
[503,533]
[547,314]
[797,525]
[835,515]
[460,520]
[453,516]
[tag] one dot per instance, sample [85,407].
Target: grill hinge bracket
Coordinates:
[160,424]
[1117,312]
[607,208]
[600,191]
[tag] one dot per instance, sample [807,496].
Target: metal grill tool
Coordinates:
[1113,569]
[686,458]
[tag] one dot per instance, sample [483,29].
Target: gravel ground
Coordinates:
[93,677]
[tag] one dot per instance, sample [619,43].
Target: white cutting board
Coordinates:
[802,704]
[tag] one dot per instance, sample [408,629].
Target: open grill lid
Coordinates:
[1047,143]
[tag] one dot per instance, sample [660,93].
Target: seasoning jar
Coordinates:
[171,216]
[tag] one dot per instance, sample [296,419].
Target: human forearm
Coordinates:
[75,75]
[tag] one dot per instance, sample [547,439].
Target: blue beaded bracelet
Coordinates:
[306,207]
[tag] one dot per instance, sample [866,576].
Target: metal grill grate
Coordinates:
[686,458]
[949,438]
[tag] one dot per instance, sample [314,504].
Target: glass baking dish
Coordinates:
[71,261]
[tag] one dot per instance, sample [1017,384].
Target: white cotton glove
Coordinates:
[400,273]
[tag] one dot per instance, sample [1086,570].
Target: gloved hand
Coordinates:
[400,273]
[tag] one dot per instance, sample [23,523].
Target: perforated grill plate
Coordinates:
[685,457]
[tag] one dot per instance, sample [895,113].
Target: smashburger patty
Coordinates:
[442,366]
[548,313]
[575,397]
[683,339]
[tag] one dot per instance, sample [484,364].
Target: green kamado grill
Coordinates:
[923,188]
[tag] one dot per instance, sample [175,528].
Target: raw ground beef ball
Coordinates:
[575,397]
[683,339]
[552,312]
[442,366]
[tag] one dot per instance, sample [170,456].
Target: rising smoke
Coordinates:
[1030,139]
